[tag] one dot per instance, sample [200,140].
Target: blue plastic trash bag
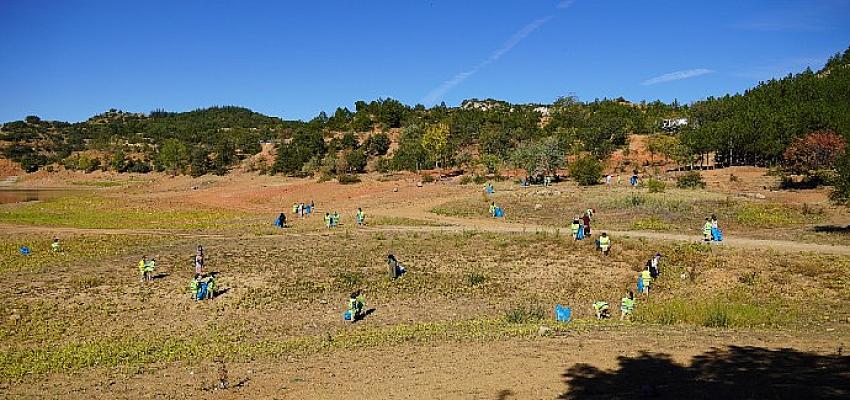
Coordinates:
[202,290]
[490,190]
[25,250]
[498,213]
[562,313]
[580,234]
[640,285]
[347,315]
[716,234]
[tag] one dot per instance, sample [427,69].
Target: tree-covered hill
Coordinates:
[754,127]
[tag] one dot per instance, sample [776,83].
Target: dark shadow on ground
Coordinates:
[731,373]
[504,395]
[220,292]
[365,314]
[161,275]
[832,228]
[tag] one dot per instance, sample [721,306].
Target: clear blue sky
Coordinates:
[68,60]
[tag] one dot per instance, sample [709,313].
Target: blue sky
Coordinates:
[68,60]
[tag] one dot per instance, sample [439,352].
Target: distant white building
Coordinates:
[674,123]
[543,110]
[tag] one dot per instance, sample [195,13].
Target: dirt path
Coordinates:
[455,224]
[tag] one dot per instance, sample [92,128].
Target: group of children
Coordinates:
[496,211]
[303,210]
[356,308]
[711,231]
[627,303]
[332,219]
[580,230]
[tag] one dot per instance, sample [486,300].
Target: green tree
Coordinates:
[172,157]
[586,170]
[435,141]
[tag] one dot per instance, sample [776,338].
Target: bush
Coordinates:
[428,179]
[655,185]
[465,180]
[525,314]
[474,279]
[690,180]
[479,180]
[346,179]
[586,171]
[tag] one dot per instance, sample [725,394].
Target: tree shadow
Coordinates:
[731,373]
[832,228]
[504,394]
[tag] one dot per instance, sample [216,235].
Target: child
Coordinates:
[55,245]
[396,269]
[574,227]
[602,311]
[356,304]
[627,306]
[142,267]
[194,285]
[604,243]
[646,278]
[706,231]
[652,265]
[361,217]
[328,220]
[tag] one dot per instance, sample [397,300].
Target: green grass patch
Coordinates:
[87,211]
[98,183]
[715,313]
[401,221]
[651,223]
[112,352]
[768,215]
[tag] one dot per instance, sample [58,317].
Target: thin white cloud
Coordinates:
[565,3]
[438,92]
[678,75]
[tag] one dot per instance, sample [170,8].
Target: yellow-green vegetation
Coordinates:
[651,223]
[122,351]
[763,215]
[75,250]
[90,211]
[99,183]
[285,294]
[401,221]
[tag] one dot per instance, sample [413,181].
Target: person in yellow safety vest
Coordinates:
[335,219]
[492,208]
[602,310]
[356,305]
[210,287]
[194,285]
[574,227]
[627,306]
[604,243]
[142,264]
[294,208]
[328,220]
[361,217]
[706,230]
[646,277]
[55,245]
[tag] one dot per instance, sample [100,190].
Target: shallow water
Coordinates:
[8,196]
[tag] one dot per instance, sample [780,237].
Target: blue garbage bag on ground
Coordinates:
[580,234]
[563,313]
[499,213]
[25,250]
[347,315]
[490,190]
[640,285]
[202,290]
[716,234]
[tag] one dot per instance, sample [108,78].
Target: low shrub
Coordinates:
[525,314]
[586,171]
[691,180]
[428,178]
[347,179]
[655,185]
